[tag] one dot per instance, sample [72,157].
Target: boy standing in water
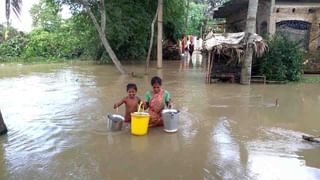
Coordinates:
[131,101]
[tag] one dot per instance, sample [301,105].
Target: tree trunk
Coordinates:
[187,15]
[272,23]
[102,11]
[3,127]
[103,38]
[103,16]
[159,44]
[250,29]
[151,41]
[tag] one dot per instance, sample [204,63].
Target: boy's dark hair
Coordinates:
[155,80]
[132,86]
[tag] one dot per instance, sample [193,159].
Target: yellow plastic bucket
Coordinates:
[139,122]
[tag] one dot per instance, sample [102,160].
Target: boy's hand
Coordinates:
[115,106]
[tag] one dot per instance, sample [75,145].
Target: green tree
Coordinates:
[196,18]
[46,15]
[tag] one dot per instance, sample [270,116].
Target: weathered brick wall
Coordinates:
[263,17]
[314,43]
[302,14]
[237,21]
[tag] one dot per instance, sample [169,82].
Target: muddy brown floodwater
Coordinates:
[56,116]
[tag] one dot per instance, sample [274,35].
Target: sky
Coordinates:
[25,22]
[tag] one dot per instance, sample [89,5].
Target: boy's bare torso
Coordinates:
[131,105]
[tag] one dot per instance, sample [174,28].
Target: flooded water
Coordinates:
[56,116]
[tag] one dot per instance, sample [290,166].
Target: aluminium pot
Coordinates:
[115,122]
[170,119]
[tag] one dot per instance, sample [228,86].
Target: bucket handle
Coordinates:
[141,107]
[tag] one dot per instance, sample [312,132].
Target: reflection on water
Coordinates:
[56,115]
[191,62]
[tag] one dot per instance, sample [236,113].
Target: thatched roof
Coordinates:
[234,45]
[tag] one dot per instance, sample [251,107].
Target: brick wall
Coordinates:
[237,21]
[302,14]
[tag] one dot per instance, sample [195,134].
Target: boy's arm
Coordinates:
[119,103]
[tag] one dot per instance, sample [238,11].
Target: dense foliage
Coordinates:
[127,29]
[283,61]
[196,19]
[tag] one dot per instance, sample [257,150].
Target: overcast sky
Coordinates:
[25,22]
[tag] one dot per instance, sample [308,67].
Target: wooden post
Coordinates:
[211,65]
[208,76]
[159,44]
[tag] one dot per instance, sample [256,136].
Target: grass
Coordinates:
[310,78]
[38,60]
[33,60]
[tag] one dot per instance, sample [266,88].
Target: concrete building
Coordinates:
[299,19]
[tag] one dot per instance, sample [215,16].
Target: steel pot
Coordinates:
[170,119]
[115,122]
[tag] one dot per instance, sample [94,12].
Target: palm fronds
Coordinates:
[15,5]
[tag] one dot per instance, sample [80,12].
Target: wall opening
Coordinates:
[298,31]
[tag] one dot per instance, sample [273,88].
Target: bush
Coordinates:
[283,61]
[46,44]
[13,47]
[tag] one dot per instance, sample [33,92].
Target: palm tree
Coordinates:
[14,5]
[250,30]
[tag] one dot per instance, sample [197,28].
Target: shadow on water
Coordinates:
[56,115]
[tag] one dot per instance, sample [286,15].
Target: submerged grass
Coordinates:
[310,79]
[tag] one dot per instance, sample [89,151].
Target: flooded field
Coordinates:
[56,116]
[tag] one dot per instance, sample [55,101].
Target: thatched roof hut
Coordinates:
[226,52]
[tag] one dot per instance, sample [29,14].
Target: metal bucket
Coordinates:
[115,122]
[170,119]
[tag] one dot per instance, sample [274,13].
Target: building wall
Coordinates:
[237,21]
[263,15]
[315,32]
[310,15]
